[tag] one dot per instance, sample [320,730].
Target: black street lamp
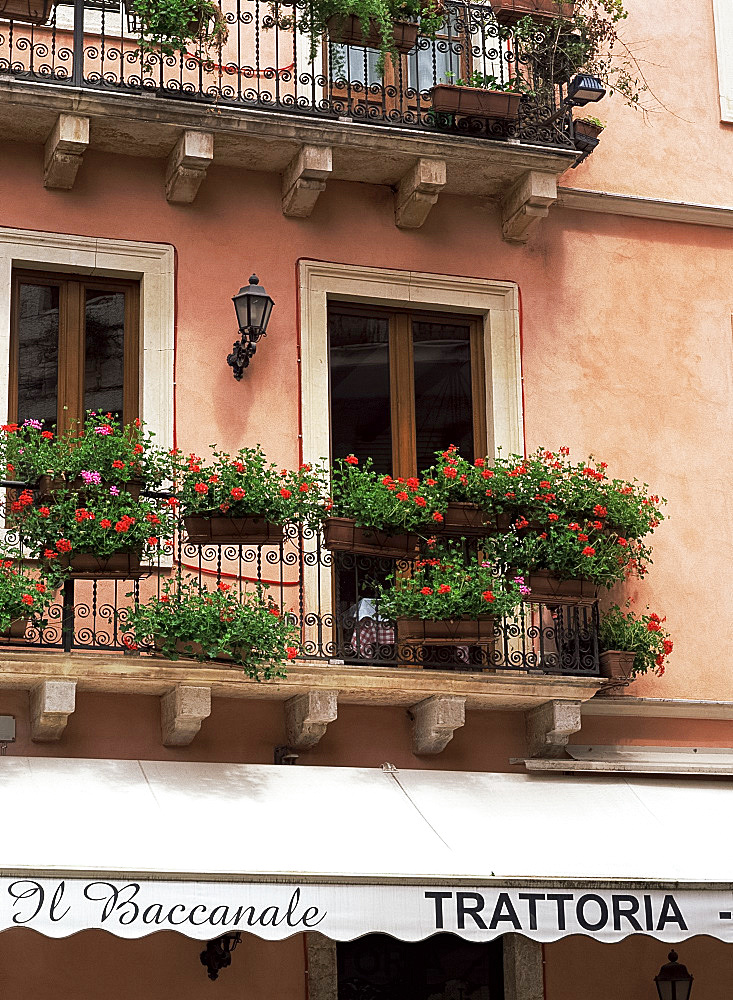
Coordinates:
[674,982]
[253,306]
[584,89]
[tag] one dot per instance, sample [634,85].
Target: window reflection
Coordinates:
[38,352]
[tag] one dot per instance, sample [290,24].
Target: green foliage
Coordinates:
[186,620]
[168,27]
[591,120]
[100,450]
[381,502]
[487,81]
[569,551]
[247,485]
[313,21]
[447,585]
[587,42]
[642,635]
[102,521]
[23,594]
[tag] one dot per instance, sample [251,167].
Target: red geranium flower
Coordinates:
[437,516]
[488,595]
[237,492]
[426,590]
[201,488]
[444,588]
[292,652]
[402,496]
[352,460]
[27,599]
[63,545]
[285,493]
[589,551]
[48,435]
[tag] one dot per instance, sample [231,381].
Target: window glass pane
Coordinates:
[360,399]
[104,357]
[444,966]
[354,64]
[443,398]
[38,352]
[440,62]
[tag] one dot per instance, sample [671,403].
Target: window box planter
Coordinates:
[48,486]
[348,31]
[194,651]
[218,529]
[586,135]
[512,11]
[118,566]
[32,11]
[341,534]
[549,589]
[467,520]
[449,98]
[617,664]
[457,631]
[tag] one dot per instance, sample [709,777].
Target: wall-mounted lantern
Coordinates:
[253,306]
[673,981]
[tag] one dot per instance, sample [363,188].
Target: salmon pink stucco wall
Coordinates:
[679,149]
[626,334]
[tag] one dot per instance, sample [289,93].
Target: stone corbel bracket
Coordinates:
[64,150]
[187,165]
[418,191]
[526,203]
[51,702]
[307,717]
[182,710]
[304,179]
[549,727]
[435,719]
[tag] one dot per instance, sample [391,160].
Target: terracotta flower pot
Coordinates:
[341,534]
[467,520]
[512,11]
[588,130]
[33,11]
[617,664]
[118,566]
[218,529]
[348,31]
[448,98]
[15,632]
[195,651]
[549,589]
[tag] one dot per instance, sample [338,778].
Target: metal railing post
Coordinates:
[77,71]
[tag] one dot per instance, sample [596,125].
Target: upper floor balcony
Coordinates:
[272,98]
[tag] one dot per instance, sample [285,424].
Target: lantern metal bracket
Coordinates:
[243,351]
[217,954]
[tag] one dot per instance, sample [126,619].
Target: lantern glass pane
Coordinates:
[665,988]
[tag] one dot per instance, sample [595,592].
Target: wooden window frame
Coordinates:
[402,374]
[71,346]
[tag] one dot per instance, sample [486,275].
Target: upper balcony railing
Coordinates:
[332,600]
[268,65]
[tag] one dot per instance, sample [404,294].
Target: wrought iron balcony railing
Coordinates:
[267,65]
[331,597]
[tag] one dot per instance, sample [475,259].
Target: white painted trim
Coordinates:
[723,20]
[152,263]
[628,706]
[496,302]
[693,213]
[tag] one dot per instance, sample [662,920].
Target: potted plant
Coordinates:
[511,11]
[104,536]
[31,11]
[377,515]
[472,495]
[587,127]
[169,28]
[449,599]
[482,96]
[24,597]
[194,622]
[387,25]
[243,499]
[632,644]
[569,562]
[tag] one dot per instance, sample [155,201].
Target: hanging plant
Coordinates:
[642,637]
[168,27]
[379,21]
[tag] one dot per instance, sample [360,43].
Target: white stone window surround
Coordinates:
[723,19]
[153,264]
[495,302]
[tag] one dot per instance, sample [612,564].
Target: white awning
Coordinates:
[139,846]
